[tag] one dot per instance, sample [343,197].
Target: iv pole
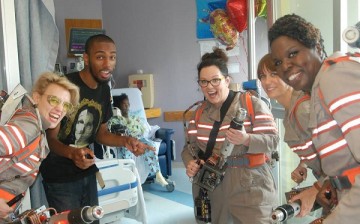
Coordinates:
[251,33]
[251,39]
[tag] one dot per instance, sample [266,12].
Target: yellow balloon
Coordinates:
[222,28]
[260,7]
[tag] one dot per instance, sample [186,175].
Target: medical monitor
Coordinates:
[78,37]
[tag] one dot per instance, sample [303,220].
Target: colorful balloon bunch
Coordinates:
[223,29]
[225,24]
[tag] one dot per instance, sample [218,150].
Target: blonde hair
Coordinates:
[47,78]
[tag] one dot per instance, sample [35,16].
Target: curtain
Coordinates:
[38,44]
[38,38]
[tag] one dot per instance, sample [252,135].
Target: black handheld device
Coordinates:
[16,199]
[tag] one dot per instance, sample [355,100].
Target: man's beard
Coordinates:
[97,78]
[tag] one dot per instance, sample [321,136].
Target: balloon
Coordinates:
[237,11]
[260,8]
[222,28]
[217,5]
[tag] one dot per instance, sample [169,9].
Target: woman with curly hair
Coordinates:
[298,53]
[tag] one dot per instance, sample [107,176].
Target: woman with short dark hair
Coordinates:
[298,53]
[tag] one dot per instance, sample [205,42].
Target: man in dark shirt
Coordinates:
[69,171]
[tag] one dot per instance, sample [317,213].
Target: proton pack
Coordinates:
[253,88]
[9,104]
[213,170]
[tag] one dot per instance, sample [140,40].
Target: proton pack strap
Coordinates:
[197,116]
[12,102]
[348,57]
[214,131]
[245,99]
[249,107]
[28,150]
[293,112]
[247,160]
[198,113]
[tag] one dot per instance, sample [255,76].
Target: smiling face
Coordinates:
[272,84]
[101,61]
[52,114]
[214,94]
[296,64]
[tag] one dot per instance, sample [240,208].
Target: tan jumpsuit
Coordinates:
[297,133]
[246,195]
[334,117]
[21,136]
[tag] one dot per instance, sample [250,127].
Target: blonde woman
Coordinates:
[53,97]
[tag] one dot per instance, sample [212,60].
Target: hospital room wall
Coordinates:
[157,36]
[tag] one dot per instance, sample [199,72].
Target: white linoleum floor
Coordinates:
[160,209]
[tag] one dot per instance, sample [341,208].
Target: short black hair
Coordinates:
[117,100]
[297,28]
[97,38]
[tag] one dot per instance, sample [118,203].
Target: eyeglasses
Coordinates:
[214,82]
[54,101]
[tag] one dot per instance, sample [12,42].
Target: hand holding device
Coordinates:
[327,196]
[213,170]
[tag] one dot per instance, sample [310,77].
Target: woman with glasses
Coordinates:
[247,192]
[23,144]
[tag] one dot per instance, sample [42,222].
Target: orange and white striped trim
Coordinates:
[311,156]
[326,126]
[350,125]
[332,147]
[302,147]
[5,141]
[19,136]
[343,101]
